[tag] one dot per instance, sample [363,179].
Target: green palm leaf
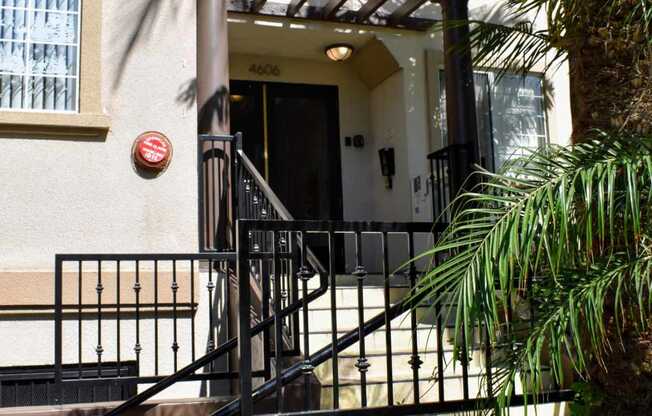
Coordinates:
[565,229]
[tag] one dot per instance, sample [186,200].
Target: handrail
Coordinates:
[276,203]
[216,353]
[264,186]
[295,371]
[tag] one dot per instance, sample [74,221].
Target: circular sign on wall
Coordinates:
[152,151]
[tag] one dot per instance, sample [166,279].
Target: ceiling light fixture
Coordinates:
[339,52]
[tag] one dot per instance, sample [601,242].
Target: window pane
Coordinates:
[53,59]
[51,93]
[482,115]
[11,91]
[54,27]
[12,57]
[13,24]
[510,115]
[517,115]
[39,48]
[62,5]
[13,3]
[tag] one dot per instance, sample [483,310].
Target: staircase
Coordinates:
[298,332]
[403,385]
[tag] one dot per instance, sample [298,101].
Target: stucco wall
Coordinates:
[72,195]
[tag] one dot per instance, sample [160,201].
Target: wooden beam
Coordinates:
[257,5]
[331,8]
[368,9]
[405,10]
[294,7]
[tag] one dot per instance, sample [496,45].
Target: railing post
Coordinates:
[58,331]
[244,317]
[200,193]
[236,146]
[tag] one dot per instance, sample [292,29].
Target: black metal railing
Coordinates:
[271,263]
[141,310]
[444,187]
[220,352]
[397,244]
[257,201]
[218,190]
[274,252]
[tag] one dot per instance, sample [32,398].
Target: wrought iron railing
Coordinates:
[218,190]
[394,238]
[444,182]
[140,309]
[257,201]
[270,253]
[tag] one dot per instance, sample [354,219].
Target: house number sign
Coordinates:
[265,69]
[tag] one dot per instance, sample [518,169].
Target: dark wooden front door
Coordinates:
[291,133]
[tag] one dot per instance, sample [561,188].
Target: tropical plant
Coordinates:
[565,231]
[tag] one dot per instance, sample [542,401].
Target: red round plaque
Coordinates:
[152,150]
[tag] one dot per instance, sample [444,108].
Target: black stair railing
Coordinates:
[112,310]
[257,201]
[398,243]
[217,191]
[189,371]
[249,250]
[443,188]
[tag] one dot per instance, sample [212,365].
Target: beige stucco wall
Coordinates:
[74,194]
[61,195]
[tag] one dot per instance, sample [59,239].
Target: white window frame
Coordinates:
[27,75]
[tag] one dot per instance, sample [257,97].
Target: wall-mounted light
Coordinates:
[387,165]
[339,52]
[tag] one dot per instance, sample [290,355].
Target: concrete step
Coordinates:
[375,342]
[319,320]
[401,369]
[350,392]
[347,297]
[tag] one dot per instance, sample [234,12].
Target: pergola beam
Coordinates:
[294,7]
[257,5]
[331,8]
[368,9]
[405,10]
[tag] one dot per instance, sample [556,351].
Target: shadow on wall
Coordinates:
[148,16]
[142,27]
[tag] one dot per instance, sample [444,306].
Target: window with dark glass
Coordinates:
[510,115]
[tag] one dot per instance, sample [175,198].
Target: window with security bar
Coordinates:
[39,55]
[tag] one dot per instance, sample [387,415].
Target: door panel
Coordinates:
[247,117]
[304,155]
[297,127]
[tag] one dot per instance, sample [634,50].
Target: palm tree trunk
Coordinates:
[611,72]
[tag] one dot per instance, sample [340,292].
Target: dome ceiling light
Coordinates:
[339,52]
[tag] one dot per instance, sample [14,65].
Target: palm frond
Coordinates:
[565,227]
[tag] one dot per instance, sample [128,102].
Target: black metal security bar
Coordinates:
[134,308]
[443,190]
[218,190]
